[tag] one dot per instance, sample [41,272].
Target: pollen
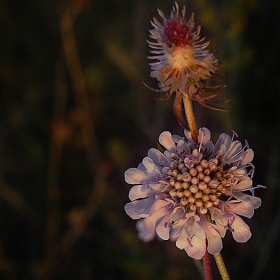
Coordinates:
[178,32]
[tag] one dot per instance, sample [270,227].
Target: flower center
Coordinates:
[177,32]
[196,184]
[182,58]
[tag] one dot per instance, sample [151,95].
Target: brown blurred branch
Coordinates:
[76,74]
[55,254]
[79,225]
[55,158]
[16,200]
[80,91]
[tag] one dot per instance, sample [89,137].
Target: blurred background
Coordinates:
[74,115]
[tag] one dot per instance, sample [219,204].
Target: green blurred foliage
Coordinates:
[75,115]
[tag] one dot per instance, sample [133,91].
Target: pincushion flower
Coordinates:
[193,192]
[182,63]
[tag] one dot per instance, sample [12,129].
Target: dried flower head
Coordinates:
[193,191]
[182,62]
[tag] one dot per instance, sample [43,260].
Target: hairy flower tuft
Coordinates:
[193,191]
[181,61]
[177,32]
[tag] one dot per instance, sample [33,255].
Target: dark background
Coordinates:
[74,115]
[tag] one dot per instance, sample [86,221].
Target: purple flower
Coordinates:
[193,192]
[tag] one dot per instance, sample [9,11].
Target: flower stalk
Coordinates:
[221,266]
[207,265]
[190,117]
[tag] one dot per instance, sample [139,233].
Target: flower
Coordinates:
[182,62]
[193,192]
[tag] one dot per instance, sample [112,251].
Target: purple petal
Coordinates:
[197,250]
[244,208]
[224,139]
[176,138]
[135,176]
[150,166]
[158,205]
[141,234]
[182,240]
[233,150]
[165,139]
[248,157]
[163,228]
[215,244]
[158,157]
[176,229]
[149,224]
[204,135]
[256,201]
[139,208]
[241,231]
[138,191]
[243,185]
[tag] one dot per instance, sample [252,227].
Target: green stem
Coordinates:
[219,259]
[190,117]
[221,266]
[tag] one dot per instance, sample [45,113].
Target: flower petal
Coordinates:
[158,204]
[182,240]
[151,166]
[176,138]
[196,248]
[248,157]
[215,244]
[138,191]
[149,224]
[135,176]
[244,208]
[165,139]
[241,231]
[190,229]
[232,154]
[256,201]
[243,185]
[158,157]
[176,229]
[225,140]
[141,234]
[139,208]
[204,135]
[163,228]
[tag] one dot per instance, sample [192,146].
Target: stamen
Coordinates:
[203,134]
[260,186]
[252,171]
[189,241]
[234,133]
[247,144]
[231,221]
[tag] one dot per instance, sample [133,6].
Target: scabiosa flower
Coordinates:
[182,62]
[193,192]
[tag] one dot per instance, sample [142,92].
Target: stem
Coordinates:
[178,110]
[190,116]
[207,265]
[221,266]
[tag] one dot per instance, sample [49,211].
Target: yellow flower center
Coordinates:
[182,58]
[197,187]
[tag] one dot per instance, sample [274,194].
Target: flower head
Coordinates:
[193,191]
[182,62]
